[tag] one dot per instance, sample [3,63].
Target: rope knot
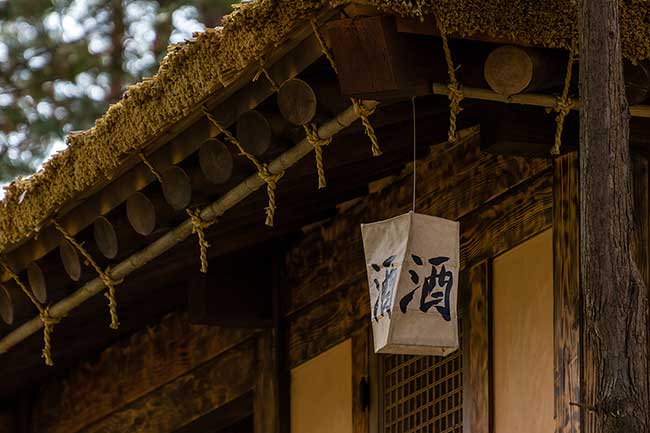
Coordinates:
[455,90]
[564,103]
[48,326]
[198,226]
[311,132]
[364,112]
[271,181]
[108,281]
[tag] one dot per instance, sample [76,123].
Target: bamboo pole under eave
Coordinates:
[532,99]
[184,230]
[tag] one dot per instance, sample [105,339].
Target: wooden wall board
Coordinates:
[266,404]
[452,181]
[568,306]
[490,230]
[128,371]
[186,398]
[476,345]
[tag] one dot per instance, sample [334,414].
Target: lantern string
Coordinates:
[414,151]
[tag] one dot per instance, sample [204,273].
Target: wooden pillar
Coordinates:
[566,293]
[360,381]
[616,307]
[266,408]
[476,342]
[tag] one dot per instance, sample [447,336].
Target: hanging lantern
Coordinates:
[413,263]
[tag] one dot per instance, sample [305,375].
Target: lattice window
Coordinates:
[423,394]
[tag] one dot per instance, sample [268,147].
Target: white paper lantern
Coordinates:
[413,263]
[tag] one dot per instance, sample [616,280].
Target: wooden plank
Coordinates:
[496,227]
[187,398]
[360,381]
[222,417]
[266,405]
[126,372]
[476,346]
[454,180]
[375,61]
[566,295]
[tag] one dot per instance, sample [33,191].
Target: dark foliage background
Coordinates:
[62,62]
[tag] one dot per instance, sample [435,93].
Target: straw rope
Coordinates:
[43,313]
[271,179]
[455,90]
[150,166]
[198,226]
[359,108]
[109,282]
[564,103]
[311,133]
[323,46]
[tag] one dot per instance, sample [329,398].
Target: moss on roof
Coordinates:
[193,70]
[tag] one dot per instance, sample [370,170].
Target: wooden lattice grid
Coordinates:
[423,394]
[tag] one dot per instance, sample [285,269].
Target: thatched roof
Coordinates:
[196,69]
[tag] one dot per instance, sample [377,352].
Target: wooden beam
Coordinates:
[129,371]
[187,398]
[266,404]
[476,345]
[222,418]
[374,61]
[566,294]
[510,129]
[510,69]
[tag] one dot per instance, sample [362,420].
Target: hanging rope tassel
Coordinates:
[364,114]
[455,90]
[564,103]
[198,226]
[311,132]
[359,108]
[48,328]
[150,166]
[43,313]
[271,179]
[109,282]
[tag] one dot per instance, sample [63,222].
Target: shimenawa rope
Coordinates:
[564,103]
[44,314]
[311,132]
[197,227]
[109,282]
[271,179]
[455,90]
[358,105]
[150,166]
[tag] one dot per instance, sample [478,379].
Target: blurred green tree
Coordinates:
[62,62]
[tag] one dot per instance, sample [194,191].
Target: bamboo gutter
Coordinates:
[533,99]
[184,230]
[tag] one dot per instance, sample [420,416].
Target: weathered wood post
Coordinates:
[616,305]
